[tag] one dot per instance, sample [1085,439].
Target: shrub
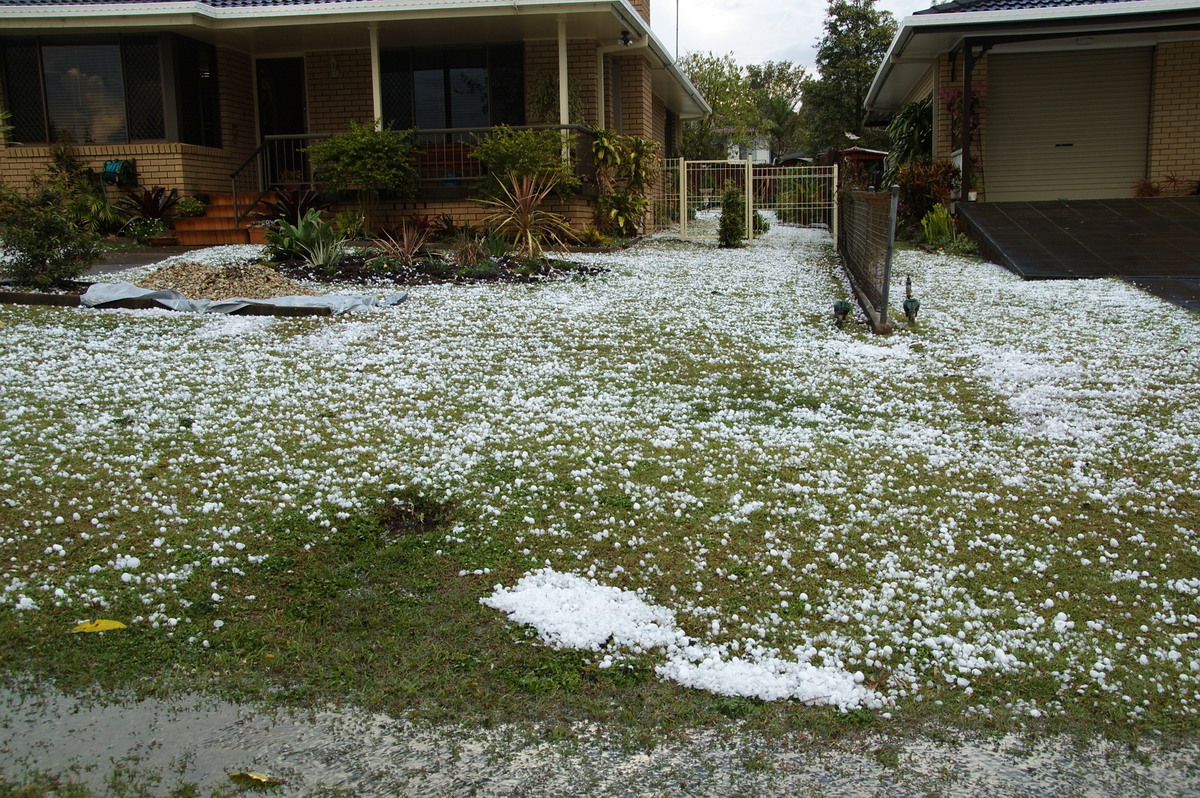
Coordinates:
[46,245]
[403,245]
[190,206]
[312,240]
[622,212]
[938,224]
[519,216]
[292,205]
[150,203]
[520,154]
[924,185]
[370,159]
[761,225]
[731,231]
[141,229]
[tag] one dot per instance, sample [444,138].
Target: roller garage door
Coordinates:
[1066,125]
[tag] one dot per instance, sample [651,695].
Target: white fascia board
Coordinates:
[950,24]
[348,10]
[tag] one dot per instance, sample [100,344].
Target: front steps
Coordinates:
[217,225]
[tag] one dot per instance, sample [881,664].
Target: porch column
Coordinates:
[564,106]
[376,83]
[965,118]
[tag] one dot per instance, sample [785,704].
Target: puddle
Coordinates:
[160,745]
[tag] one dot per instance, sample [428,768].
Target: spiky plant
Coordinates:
[518,215]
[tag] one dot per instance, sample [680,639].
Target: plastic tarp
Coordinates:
[101,294]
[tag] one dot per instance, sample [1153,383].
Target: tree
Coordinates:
[777,88]
[856,37]
[724,86]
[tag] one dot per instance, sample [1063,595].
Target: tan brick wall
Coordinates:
[1175,113]
[339,89]
[949,76]
[541,62]
[637,97]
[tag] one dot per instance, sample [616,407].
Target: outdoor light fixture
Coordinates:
[624,41]
[911,305]
[841,309]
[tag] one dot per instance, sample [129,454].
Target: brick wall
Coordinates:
[637,96]
[339,89]
[1175,113]
[949,76]
[541,64]
[642,7]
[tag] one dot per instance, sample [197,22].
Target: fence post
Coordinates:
[887,261]
[749,201]
[683,200]
[834,198]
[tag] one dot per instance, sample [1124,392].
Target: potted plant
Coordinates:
[190,207]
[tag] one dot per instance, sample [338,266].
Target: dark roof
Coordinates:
[211,3]
[963,6]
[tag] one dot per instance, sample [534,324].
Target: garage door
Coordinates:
[1066,125]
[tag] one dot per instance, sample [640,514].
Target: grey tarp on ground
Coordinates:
[100,294]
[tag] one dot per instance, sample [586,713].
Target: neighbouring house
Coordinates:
[222,96]
[1070,100]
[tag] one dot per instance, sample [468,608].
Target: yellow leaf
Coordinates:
[255,779]
[98,626]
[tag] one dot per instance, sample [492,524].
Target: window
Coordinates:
[470,87]
[110,91]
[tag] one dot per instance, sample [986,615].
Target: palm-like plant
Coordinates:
[519,216]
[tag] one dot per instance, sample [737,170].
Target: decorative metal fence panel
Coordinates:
[689,196]
[865,241]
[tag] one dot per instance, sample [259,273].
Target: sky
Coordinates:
[752,30]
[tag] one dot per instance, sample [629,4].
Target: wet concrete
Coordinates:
[120,260]
[161,745]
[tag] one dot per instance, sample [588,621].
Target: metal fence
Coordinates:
[865,241]
[688,195]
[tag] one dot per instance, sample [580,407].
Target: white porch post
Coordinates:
[376,83]
[564,106]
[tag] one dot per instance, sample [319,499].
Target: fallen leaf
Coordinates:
[98,626]
[255,779]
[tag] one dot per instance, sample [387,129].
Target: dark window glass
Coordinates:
[396,85]
[85,93]
[143,89]
[467,85]
[196,91]
[506,85]
[22,91]
[472,87]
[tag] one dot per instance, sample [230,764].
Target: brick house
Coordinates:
[1073,100]
[191,90]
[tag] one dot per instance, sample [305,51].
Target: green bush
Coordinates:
[312,240]
[518,154]
[938,224]
[142,228]
[46,246]
[923,185]
[369,159]
[761,225]
[731,231]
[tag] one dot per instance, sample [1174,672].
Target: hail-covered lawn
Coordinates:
[679,471]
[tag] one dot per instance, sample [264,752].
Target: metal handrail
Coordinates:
[282,149]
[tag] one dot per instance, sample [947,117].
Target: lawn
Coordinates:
[987,521]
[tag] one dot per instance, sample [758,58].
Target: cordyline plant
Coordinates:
[519,216]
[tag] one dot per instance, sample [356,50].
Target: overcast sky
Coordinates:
[753,30]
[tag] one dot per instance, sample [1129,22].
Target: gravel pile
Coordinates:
[202,281]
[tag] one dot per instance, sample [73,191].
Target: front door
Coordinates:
[282,110]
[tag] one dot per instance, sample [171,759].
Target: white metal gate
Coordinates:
[690,196]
